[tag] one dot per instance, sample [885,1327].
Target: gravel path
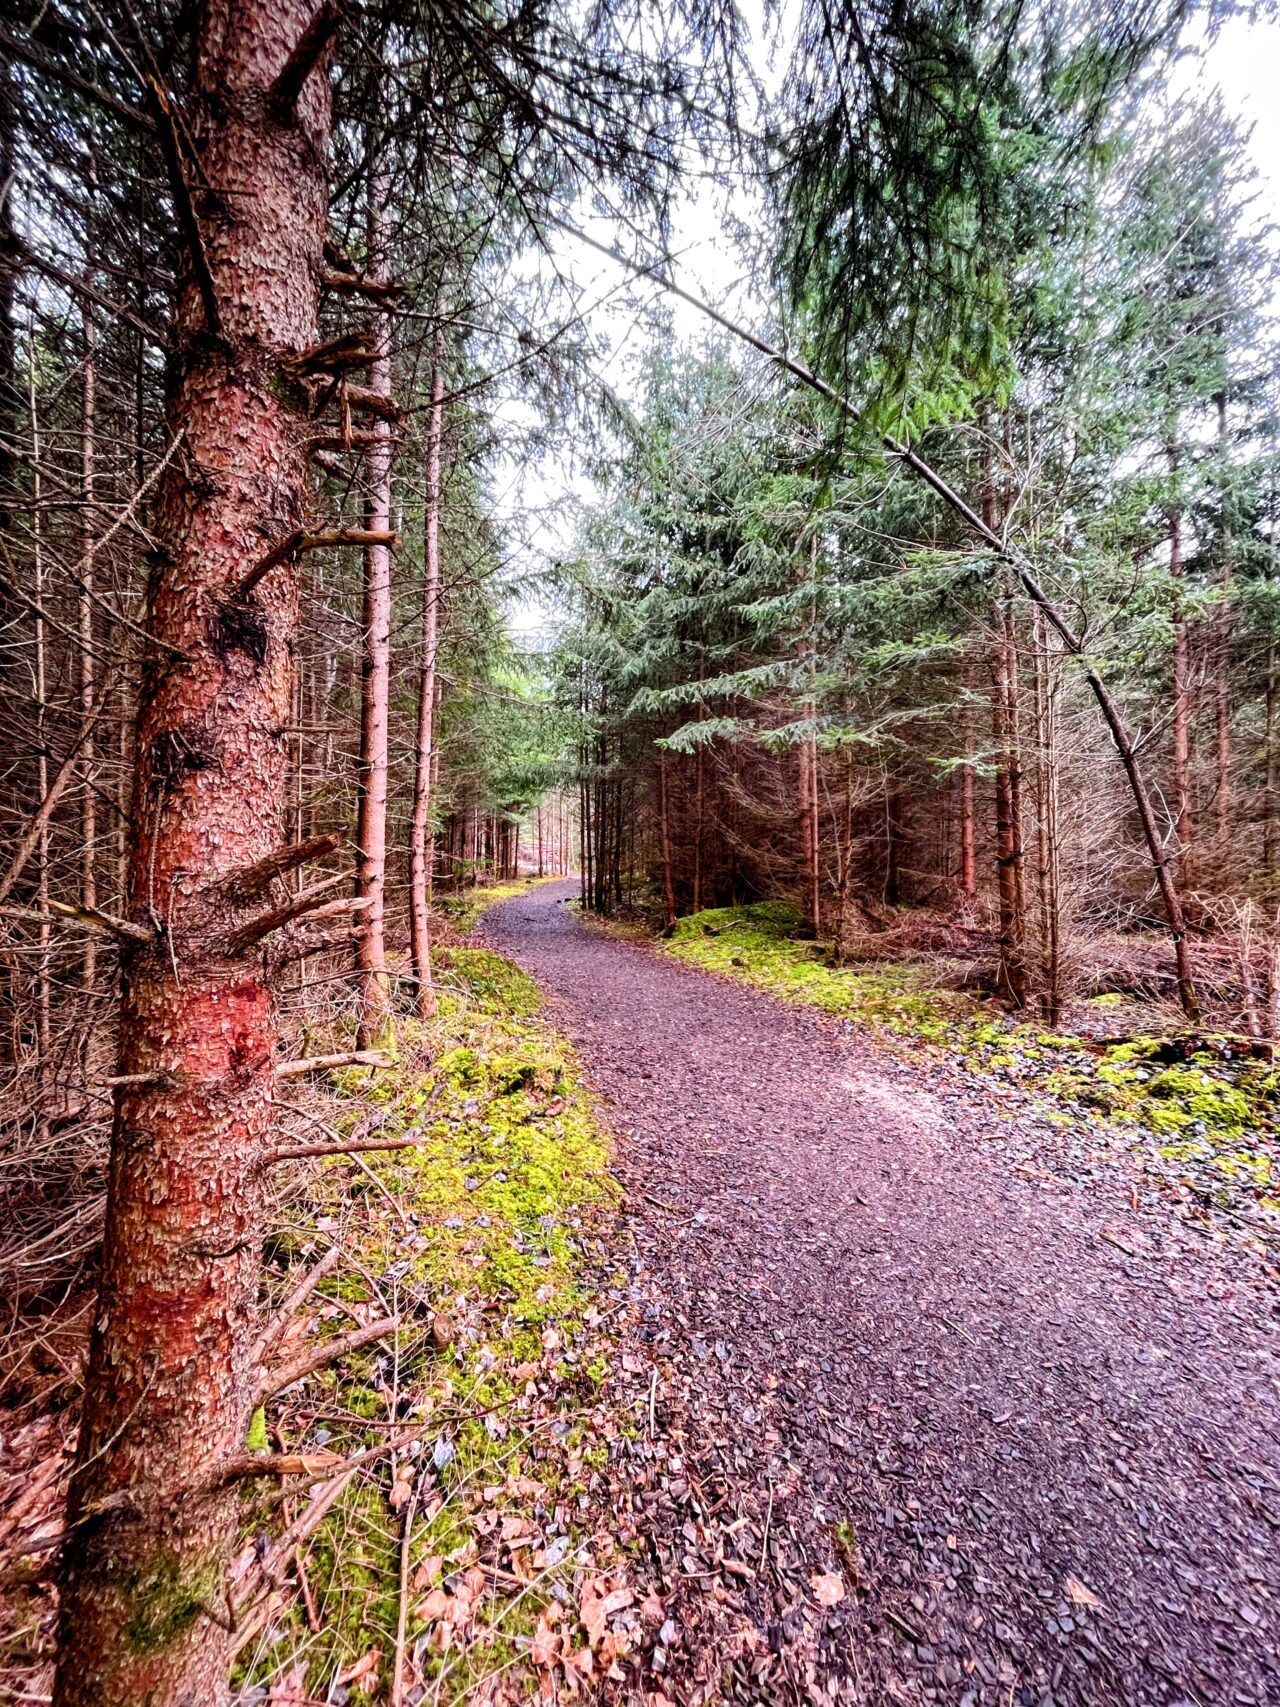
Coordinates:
[1022,1465]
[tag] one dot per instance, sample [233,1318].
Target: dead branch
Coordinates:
[296,1152]
[249,885]
[369,402]
[308,902]
[300,540]
[278,1379]
[333,356]
[323,1063]
[30,838]
[282,98]
[243,1465]
[62,913]
[356,284]
[171,148]
[292,1302]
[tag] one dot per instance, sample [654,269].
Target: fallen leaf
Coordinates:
[401,1492]
[438,1604]
[363,1667]
[828,1588]
[1079,1594]
[290,1691]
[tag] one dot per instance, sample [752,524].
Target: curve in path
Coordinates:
[1034,1470]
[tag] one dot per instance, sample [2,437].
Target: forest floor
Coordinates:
[931,1396]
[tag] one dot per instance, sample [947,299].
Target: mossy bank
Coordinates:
[485,1239]
[1205,1113]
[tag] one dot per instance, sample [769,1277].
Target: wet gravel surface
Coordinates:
[908,1427]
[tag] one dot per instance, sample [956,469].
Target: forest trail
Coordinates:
[1041,1469]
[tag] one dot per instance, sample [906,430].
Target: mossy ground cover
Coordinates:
[1210,1121]
[486,1240]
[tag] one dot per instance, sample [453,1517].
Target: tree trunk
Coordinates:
[88,797]
[1222,653]
[1011,974]
[968,827]
[420,843]
[664,835]
[168,1385]
[373,1030]
[1181,684]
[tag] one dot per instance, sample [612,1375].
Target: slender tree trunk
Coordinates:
[664,835]
[1181,685]
[968,835]
[420,845]
[44,1009]
[1011,977]
[1222,803]
[375,700]
[1046,786]
[88,524]
[168,1388]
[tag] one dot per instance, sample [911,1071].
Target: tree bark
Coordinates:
[1184,820]
[664,834]
[88,797]
[375,699]
[168,1383]
[1222,803]
[968,837]
[421,843]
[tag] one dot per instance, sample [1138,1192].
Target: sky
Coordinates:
[540,500]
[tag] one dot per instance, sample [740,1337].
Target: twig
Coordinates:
[768,1519]
[292,1303]
[285,1376]
[296,1152]
[322,1063]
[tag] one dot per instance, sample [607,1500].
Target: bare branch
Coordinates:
[324,1063]
[282,98]
[297,1152]
[300,540]
[292,1302]
[258,878]
[62,913]
[308,901]
[278,1379]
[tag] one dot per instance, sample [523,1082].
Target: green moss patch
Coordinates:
[484,1239]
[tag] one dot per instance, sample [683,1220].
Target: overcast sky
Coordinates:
[538,499]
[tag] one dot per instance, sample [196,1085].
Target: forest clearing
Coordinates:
[639,853]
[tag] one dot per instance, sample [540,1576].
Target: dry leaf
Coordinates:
[363,1667]
[546,1643]
[438,1604]
[1079,1594]
[290,1691]
[828,1588]
[401,1492]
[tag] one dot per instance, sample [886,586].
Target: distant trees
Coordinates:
[757,611]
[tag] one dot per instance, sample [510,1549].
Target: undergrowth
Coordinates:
[481,1240]
[1211,1111]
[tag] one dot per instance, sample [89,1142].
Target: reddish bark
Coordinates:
[168,1382]
[421,846]
[375,701]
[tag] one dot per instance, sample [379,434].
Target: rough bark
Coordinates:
[420,843]
[85,662]
[1222,802]
[1181,689]
[375,699]
[168,1379]
[664,832]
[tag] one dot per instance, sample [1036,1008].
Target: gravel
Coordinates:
[909,1426]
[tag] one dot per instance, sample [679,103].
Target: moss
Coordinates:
[256,1438]
[508,1189]
[167,1600]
